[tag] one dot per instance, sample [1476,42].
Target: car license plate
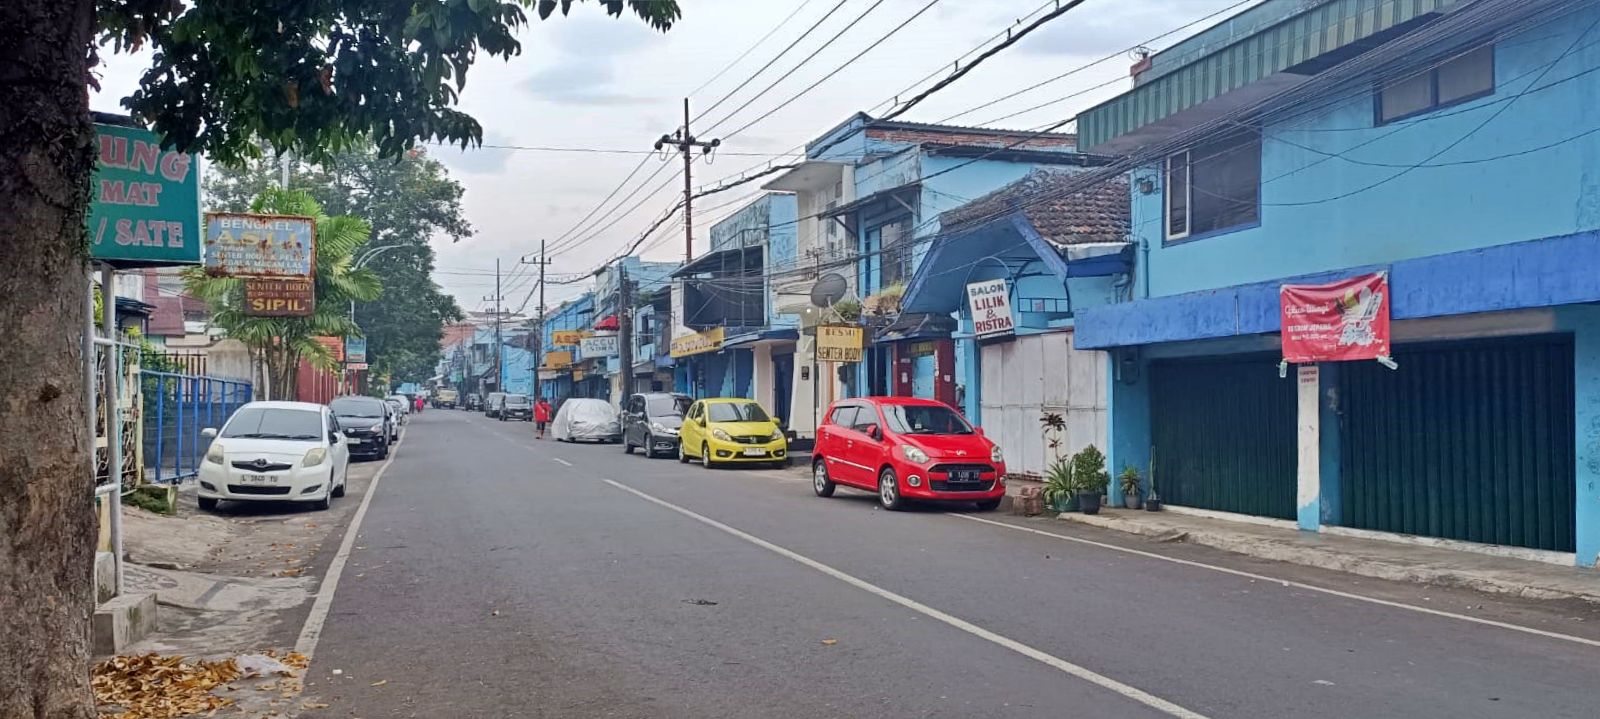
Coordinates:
[755,453]
[257,479]
[964,475]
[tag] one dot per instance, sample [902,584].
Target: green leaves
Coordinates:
[317,77]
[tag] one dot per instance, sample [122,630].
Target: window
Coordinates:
[1214,187]
[922,419]
[274,423]
[1458,79]
[865,417]
[663,405]
[737,412]
[844,416]
[887,255]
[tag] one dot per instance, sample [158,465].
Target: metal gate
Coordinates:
[1469,441]
[1223,435]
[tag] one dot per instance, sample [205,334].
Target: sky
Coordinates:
[595,82]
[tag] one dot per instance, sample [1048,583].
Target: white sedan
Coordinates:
[276,451]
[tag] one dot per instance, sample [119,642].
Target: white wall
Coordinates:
[1035,374]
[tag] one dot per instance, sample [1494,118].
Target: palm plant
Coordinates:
[281,342]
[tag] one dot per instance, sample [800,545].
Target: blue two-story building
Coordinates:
[1451,144]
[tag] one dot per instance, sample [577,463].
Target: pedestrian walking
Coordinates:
[541,415]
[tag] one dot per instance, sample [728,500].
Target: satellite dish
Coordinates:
[829,288]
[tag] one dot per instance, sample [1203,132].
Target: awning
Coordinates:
[608,324]
[876,197]
[777,334]
[712,261]
[917,326]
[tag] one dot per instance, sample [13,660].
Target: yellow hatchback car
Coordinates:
[728,430]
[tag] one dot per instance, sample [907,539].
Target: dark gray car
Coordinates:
[651,420]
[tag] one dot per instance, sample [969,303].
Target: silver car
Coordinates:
[587,420]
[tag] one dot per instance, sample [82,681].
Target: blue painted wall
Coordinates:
[1458,202]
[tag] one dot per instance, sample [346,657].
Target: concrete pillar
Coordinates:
[1308,422]
[1128,418]
[1584,322]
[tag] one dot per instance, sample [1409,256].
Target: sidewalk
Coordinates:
[1355,555]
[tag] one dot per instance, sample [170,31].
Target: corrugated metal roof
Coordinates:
[1319,31]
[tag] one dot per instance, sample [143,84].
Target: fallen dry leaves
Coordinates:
[151,686]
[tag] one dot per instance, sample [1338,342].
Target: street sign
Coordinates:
[990,302]
[839,343]
[355,349]
[279,298]
[266,247]
[144,206]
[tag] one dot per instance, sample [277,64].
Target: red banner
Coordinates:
[1347,320]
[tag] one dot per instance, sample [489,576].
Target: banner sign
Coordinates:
[144,202]
[839,343]
[355,366]
[568,338]
[598,346]
[697,343]
[355,349]
[259,246]
[557,360]
[1346,320]
[990,302]
[279,298]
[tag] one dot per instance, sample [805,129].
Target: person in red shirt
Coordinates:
[541,415]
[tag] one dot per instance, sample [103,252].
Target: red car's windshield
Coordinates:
[924,419]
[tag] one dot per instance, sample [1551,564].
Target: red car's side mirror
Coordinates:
[874,431]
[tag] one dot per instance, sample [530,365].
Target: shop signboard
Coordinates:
[568,338]
[1339,321]
[279,298]
[839,343]
[355,349]
[264,247]
[144,202]
[990,302]
[598,346]
[697,343]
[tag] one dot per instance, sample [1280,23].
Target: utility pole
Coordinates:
[686,144]
[499,347]
[625,330]
[538,336]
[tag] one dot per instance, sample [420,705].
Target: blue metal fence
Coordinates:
[176,408]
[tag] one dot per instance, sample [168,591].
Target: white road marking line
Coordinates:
[1054,662]
[312,631]
[565,462]
[1289,583]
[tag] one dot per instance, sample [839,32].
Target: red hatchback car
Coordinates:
[905,448]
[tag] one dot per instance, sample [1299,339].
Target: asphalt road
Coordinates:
[496,576]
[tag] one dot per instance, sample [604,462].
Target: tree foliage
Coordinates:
[409,201]
[281,342]
[321,77]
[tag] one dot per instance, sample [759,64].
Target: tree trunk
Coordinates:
[47,520]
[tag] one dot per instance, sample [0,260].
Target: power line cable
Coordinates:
[753,46]
[779,56]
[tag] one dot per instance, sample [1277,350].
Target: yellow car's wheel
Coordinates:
[705,456]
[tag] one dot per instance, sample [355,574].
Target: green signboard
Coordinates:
[144,208]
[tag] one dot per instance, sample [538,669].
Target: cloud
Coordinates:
[1118,27]
[578,81]
[477,160]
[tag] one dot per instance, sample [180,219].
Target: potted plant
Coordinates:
[1129,481]
[1089,478]
[1059,491]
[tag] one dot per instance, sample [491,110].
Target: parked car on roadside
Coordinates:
[906,448]
[402,411]
[516,406]
[491,404]
[731,430]
[275,451]
[651,420]
[368,422]
[473,402]
[586,420]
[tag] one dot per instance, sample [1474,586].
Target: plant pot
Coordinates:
[1152,504]
[1130,501]
[1068,503]
[1089,502]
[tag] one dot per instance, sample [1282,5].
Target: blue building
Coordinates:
[644,278]
[1448,143]
[559,376]
[742,346]
[870,195]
